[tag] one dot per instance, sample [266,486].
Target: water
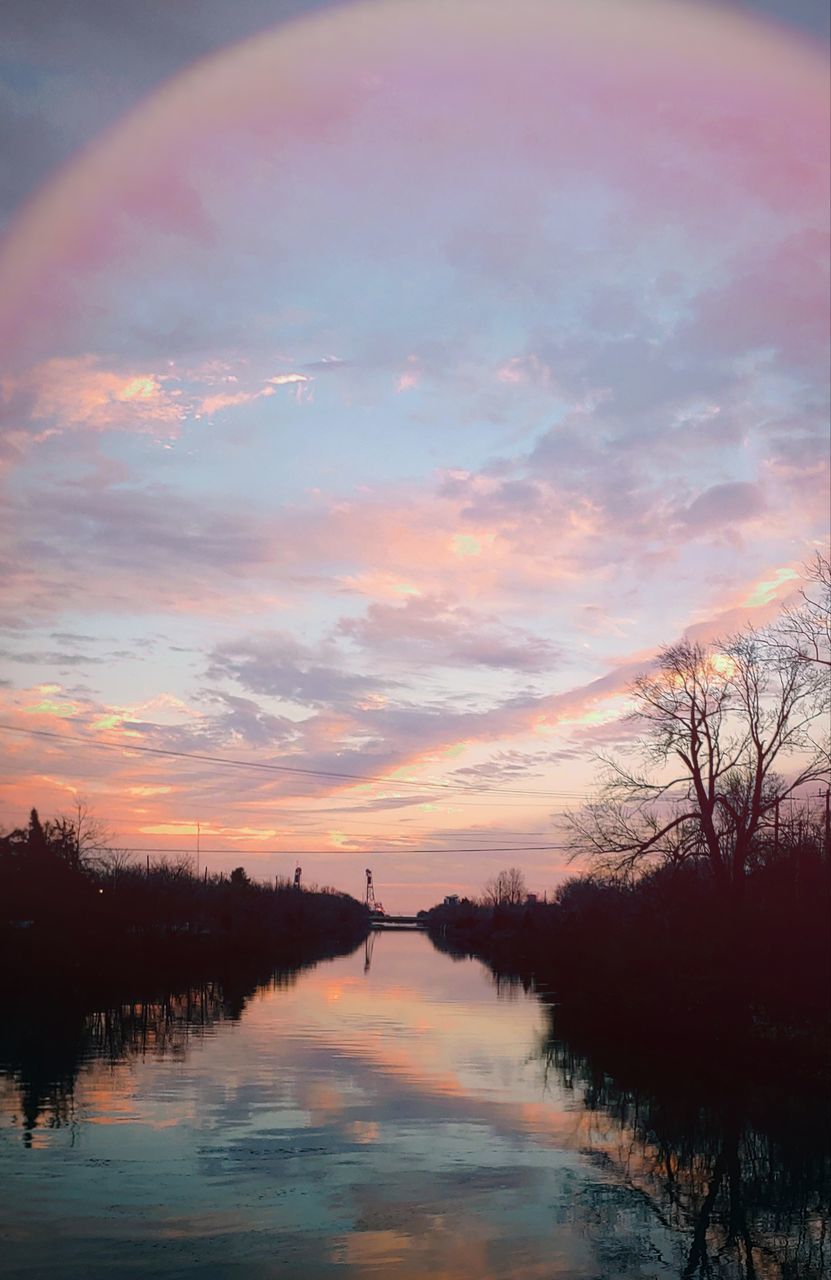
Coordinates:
[407,1119]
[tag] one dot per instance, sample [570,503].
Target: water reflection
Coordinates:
[43,1047]
[734,1161]
[386,1114]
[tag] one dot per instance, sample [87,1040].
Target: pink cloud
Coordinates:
[524,369]
[435,630]
[301,383]
[80,392]
[226,400]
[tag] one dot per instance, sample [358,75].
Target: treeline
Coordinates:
[668,958]
[73,914]
[705,916]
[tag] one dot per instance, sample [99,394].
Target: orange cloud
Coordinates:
[79,392]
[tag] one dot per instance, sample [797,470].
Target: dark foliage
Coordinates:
[666,956]
[696,1029]
[70,918]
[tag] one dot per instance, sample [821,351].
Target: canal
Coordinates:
[394,1112]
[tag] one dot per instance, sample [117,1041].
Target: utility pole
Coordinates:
[828,824]
[776,829]
[198,833]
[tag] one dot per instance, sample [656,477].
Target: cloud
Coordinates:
[513,766]
[237,721]
[126,550]
[774,298]
[437,631]
[277,665]
[67,393]
[51,658]
[226,400]
[289,379]
[723,505]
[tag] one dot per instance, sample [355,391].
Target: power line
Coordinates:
[104,744]
[321,853]
[495,838]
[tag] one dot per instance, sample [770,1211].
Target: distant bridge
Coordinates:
[380,920]
[379,917]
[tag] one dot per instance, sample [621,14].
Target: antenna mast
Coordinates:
[375,907]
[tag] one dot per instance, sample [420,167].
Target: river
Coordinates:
[394,1112]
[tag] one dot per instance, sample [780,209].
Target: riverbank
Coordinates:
[668,965]
[80,923]
[106,960]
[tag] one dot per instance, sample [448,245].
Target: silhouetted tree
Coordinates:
[803,630]
[114,863]
[36,836]
[55,904]
[718,722]
[506,889]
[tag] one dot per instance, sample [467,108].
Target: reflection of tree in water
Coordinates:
[44,1044]
[741,1168]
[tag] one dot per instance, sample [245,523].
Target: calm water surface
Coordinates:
[388,1115]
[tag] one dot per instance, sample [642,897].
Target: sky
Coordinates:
[382,385]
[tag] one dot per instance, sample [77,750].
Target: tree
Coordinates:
[113,864]
[507,888]
[80,839]
[803,631]
[719,722]
[38,837]
[239,876]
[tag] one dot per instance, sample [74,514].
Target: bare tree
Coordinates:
[85,840]
[803,631]
[719,724]
[177,868]
[112,864]
[507,888]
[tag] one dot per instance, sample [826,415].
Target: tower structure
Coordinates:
[375,907]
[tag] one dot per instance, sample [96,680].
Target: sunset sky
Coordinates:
[382,384]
